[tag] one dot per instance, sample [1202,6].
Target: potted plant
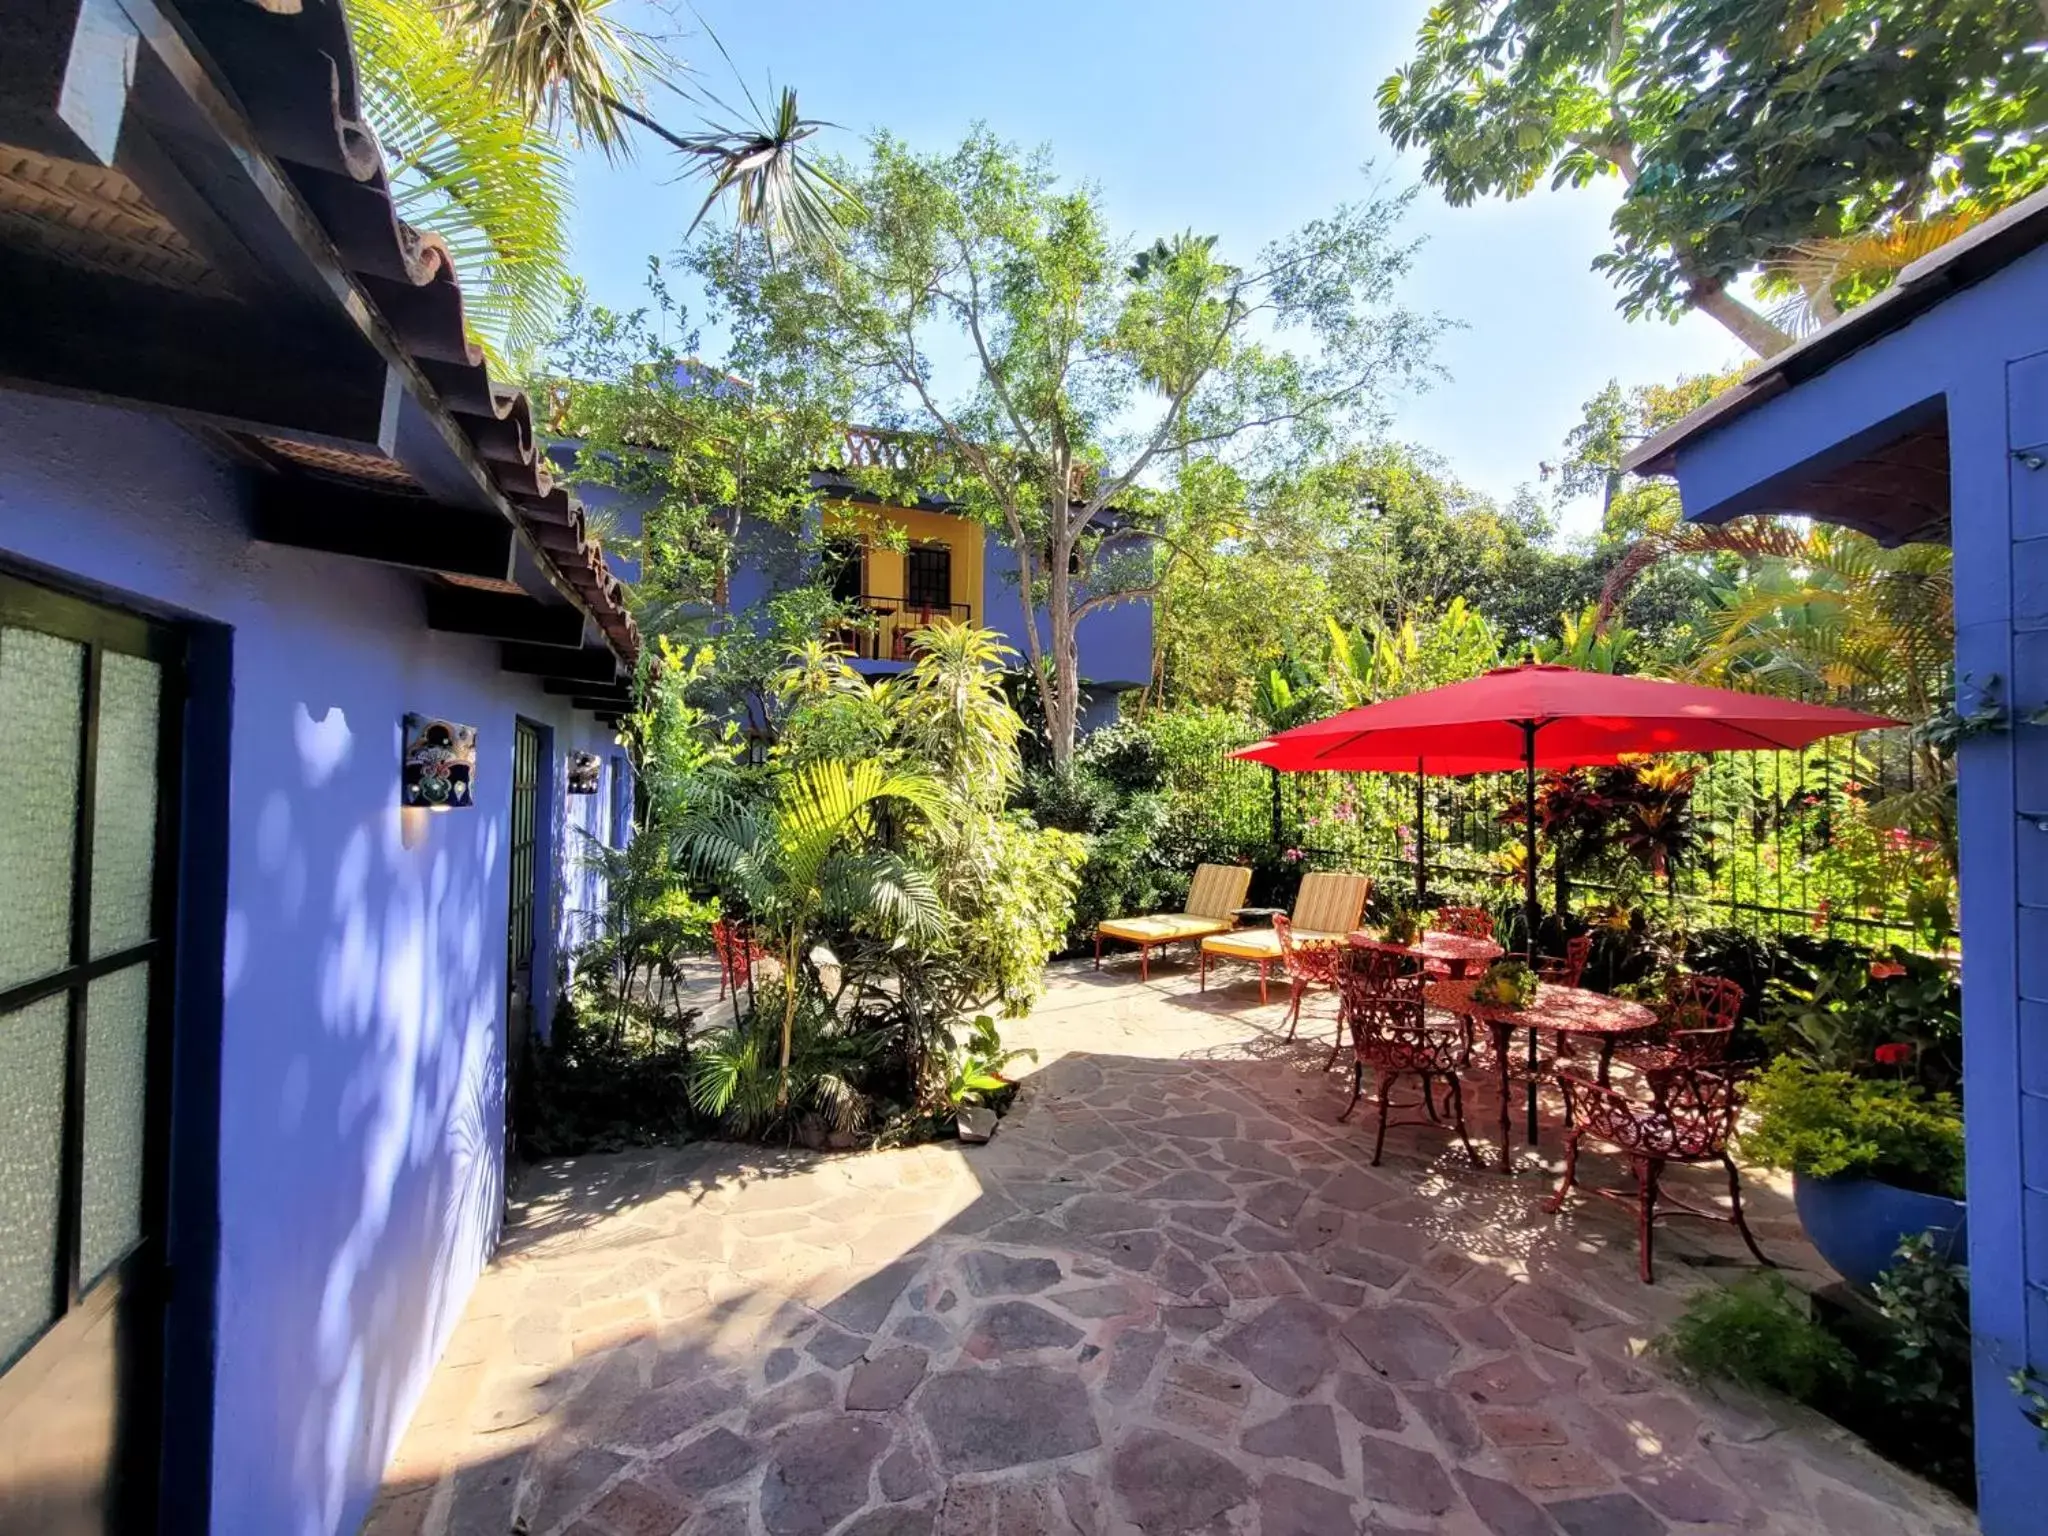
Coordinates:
[1404,927]
[1506,984]
[976,1085]
[1873,1162]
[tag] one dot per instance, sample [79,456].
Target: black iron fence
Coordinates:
[1781,841]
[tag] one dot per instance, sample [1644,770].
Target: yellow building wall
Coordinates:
[883,567]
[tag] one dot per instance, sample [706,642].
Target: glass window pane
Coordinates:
[116,1070]
[31,1167]
[124,802]
[41,701]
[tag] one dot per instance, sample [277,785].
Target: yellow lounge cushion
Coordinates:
[1162,927]
[1331,901]
[1264,943]
[1218,890]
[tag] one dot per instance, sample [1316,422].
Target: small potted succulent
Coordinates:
[1506,984]
[1873,1161]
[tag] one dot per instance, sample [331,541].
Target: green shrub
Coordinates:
[1759,1334]
[1826,1125]
[1850,1003]
[597,1087]
[1124,754]
[1926,1360]
[1071,799]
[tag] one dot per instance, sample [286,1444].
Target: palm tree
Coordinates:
[1828,612]
[468,165]
[572,62]
[812,851]
[476,103]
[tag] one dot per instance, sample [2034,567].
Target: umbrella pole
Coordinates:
[1421,845]
[1531,913]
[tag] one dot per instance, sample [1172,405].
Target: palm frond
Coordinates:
[778,189]
[561,62]
[880,884]
[467,165]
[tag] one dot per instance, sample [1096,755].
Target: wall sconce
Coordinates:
[586,769]
[440,763]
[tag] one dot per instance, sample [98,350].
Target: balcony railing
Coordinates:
[885,628]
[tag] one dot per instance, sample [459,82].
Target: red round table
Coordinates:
[1458,953]
[1557,1010]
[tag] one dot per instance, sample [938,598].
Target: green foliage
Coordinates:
[1900,1379]
[874,859]
[598,1085]
[1827,1124]
[1403,926]
[766,1071]
[1842,1012]
[467,165]
[1741,129]
[1106,397]
[705,454]
[1506,984]
[976,1074]
[1760,1334]
[1925,1366]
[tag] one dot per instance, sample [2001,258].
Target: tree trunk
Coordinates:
[1063,697]
[1710,298]
[1742,322]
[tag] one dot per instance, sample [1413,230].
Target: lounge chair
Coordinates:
[1216,893]
[1327,908]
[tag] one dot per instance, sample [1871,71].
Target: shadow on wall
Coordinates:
[1157,1258]
[362,1073]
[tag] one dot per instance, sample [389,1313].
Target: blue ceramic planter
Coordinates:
[1857,1224]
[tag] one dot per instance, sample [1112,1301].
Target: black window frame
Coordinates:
[27,604]
[921,561]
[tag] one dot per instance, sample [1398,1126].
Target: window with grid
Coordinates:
[928,577]
[88,717]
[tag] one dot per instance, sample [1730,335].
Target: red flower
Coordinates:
[1885,970]
[1897,1054]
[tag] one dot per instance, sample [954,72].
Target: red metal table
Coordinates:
[1457,952]
[1557,1010]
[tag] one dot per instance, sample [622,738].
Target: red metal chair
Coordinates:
[736,955]
[1698,1022]
[1466,922]
[1309,965]
[1688,1118]
[1391,1032]
[1568,969]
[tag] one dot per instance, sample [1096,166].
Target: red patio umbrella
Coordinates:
[1549,717]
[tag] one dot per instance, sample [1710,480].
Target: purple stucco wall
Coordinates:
[362,1070]
[1981,355]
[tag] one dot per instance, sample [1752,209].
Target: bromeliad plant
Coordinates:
[976,1076]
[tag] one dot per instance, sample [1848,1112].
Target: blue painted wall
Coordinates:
[1982,357]
[1115,642]
[361,991]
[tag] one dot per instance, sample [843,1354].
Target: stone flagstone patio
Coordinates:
[1170,1298]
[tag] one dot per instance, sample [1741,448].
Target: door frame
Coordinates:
[539,917]
[174,1402]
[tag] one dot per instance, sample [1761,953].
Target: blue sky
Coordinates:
[1224,118]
